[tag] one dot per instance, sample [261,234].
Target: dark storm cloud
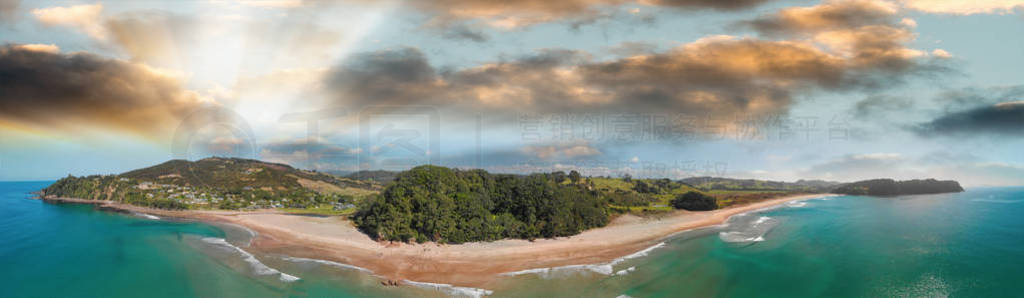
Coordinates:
[43,88]
[1002,119]
[974,97]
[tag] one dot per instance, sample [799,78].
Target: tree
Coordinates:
[694,201]
[430,203]
[559,177]
[574,176]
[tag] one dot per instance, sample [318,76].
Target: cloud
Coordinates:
[727,77]
[975,97]
[1005,119]
[272,3]
[831,15]
[8,10]
[853,167]
[561,151]
[881,104]
[49,90]
[941,54]
[153,36]
[520,13]
[463,32]
[724,76]
[869,31]
[311,154]
[172,39]
[958,7]
[627,49]
[85,17]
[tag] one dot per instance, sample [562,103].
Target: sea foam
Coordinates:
[450,289]
[753,232]
[258,267]
[143,215]
[603,268]
[326,262]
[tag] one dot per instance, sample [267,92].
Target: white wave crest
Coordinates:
[753,232]
[143,215]
[604,269]
[326,262]
[259,267]
[797,204]
[450,289]
[625,271]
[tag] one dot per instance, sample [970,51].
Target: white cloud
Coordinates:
[962,7]
[941,54]
[84,17]
[45,48]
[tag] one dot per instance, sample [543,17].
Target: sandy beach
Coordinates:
[470,265]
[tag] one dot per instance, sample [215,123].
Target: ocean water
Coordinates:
[969,244]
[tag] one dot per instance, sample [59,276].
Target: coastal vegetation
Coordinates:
[695,201]
[431,203]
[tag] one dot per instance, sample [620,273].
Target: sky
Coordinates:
[838,90]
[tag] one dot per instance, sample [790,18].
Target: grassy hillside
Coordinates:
[751,185]
[221,183]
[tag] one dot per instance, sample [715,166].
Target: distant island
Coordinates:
[890,187]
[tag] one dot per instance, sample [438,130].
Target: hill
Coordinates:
[380,176]
[719,183]
[224,183]
[890,187]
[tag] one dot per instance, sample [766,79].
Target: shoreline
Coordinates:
[474,265]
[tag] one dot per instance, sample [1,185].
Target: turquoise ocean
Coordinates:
[966,245]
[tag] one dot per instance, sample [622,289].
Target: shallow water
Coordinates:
[968,244]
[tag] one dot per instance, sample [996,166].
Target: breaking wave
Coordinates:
[754,231]
[450,289]
[327,263]
[257,266]
[143,215]
[603,269]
